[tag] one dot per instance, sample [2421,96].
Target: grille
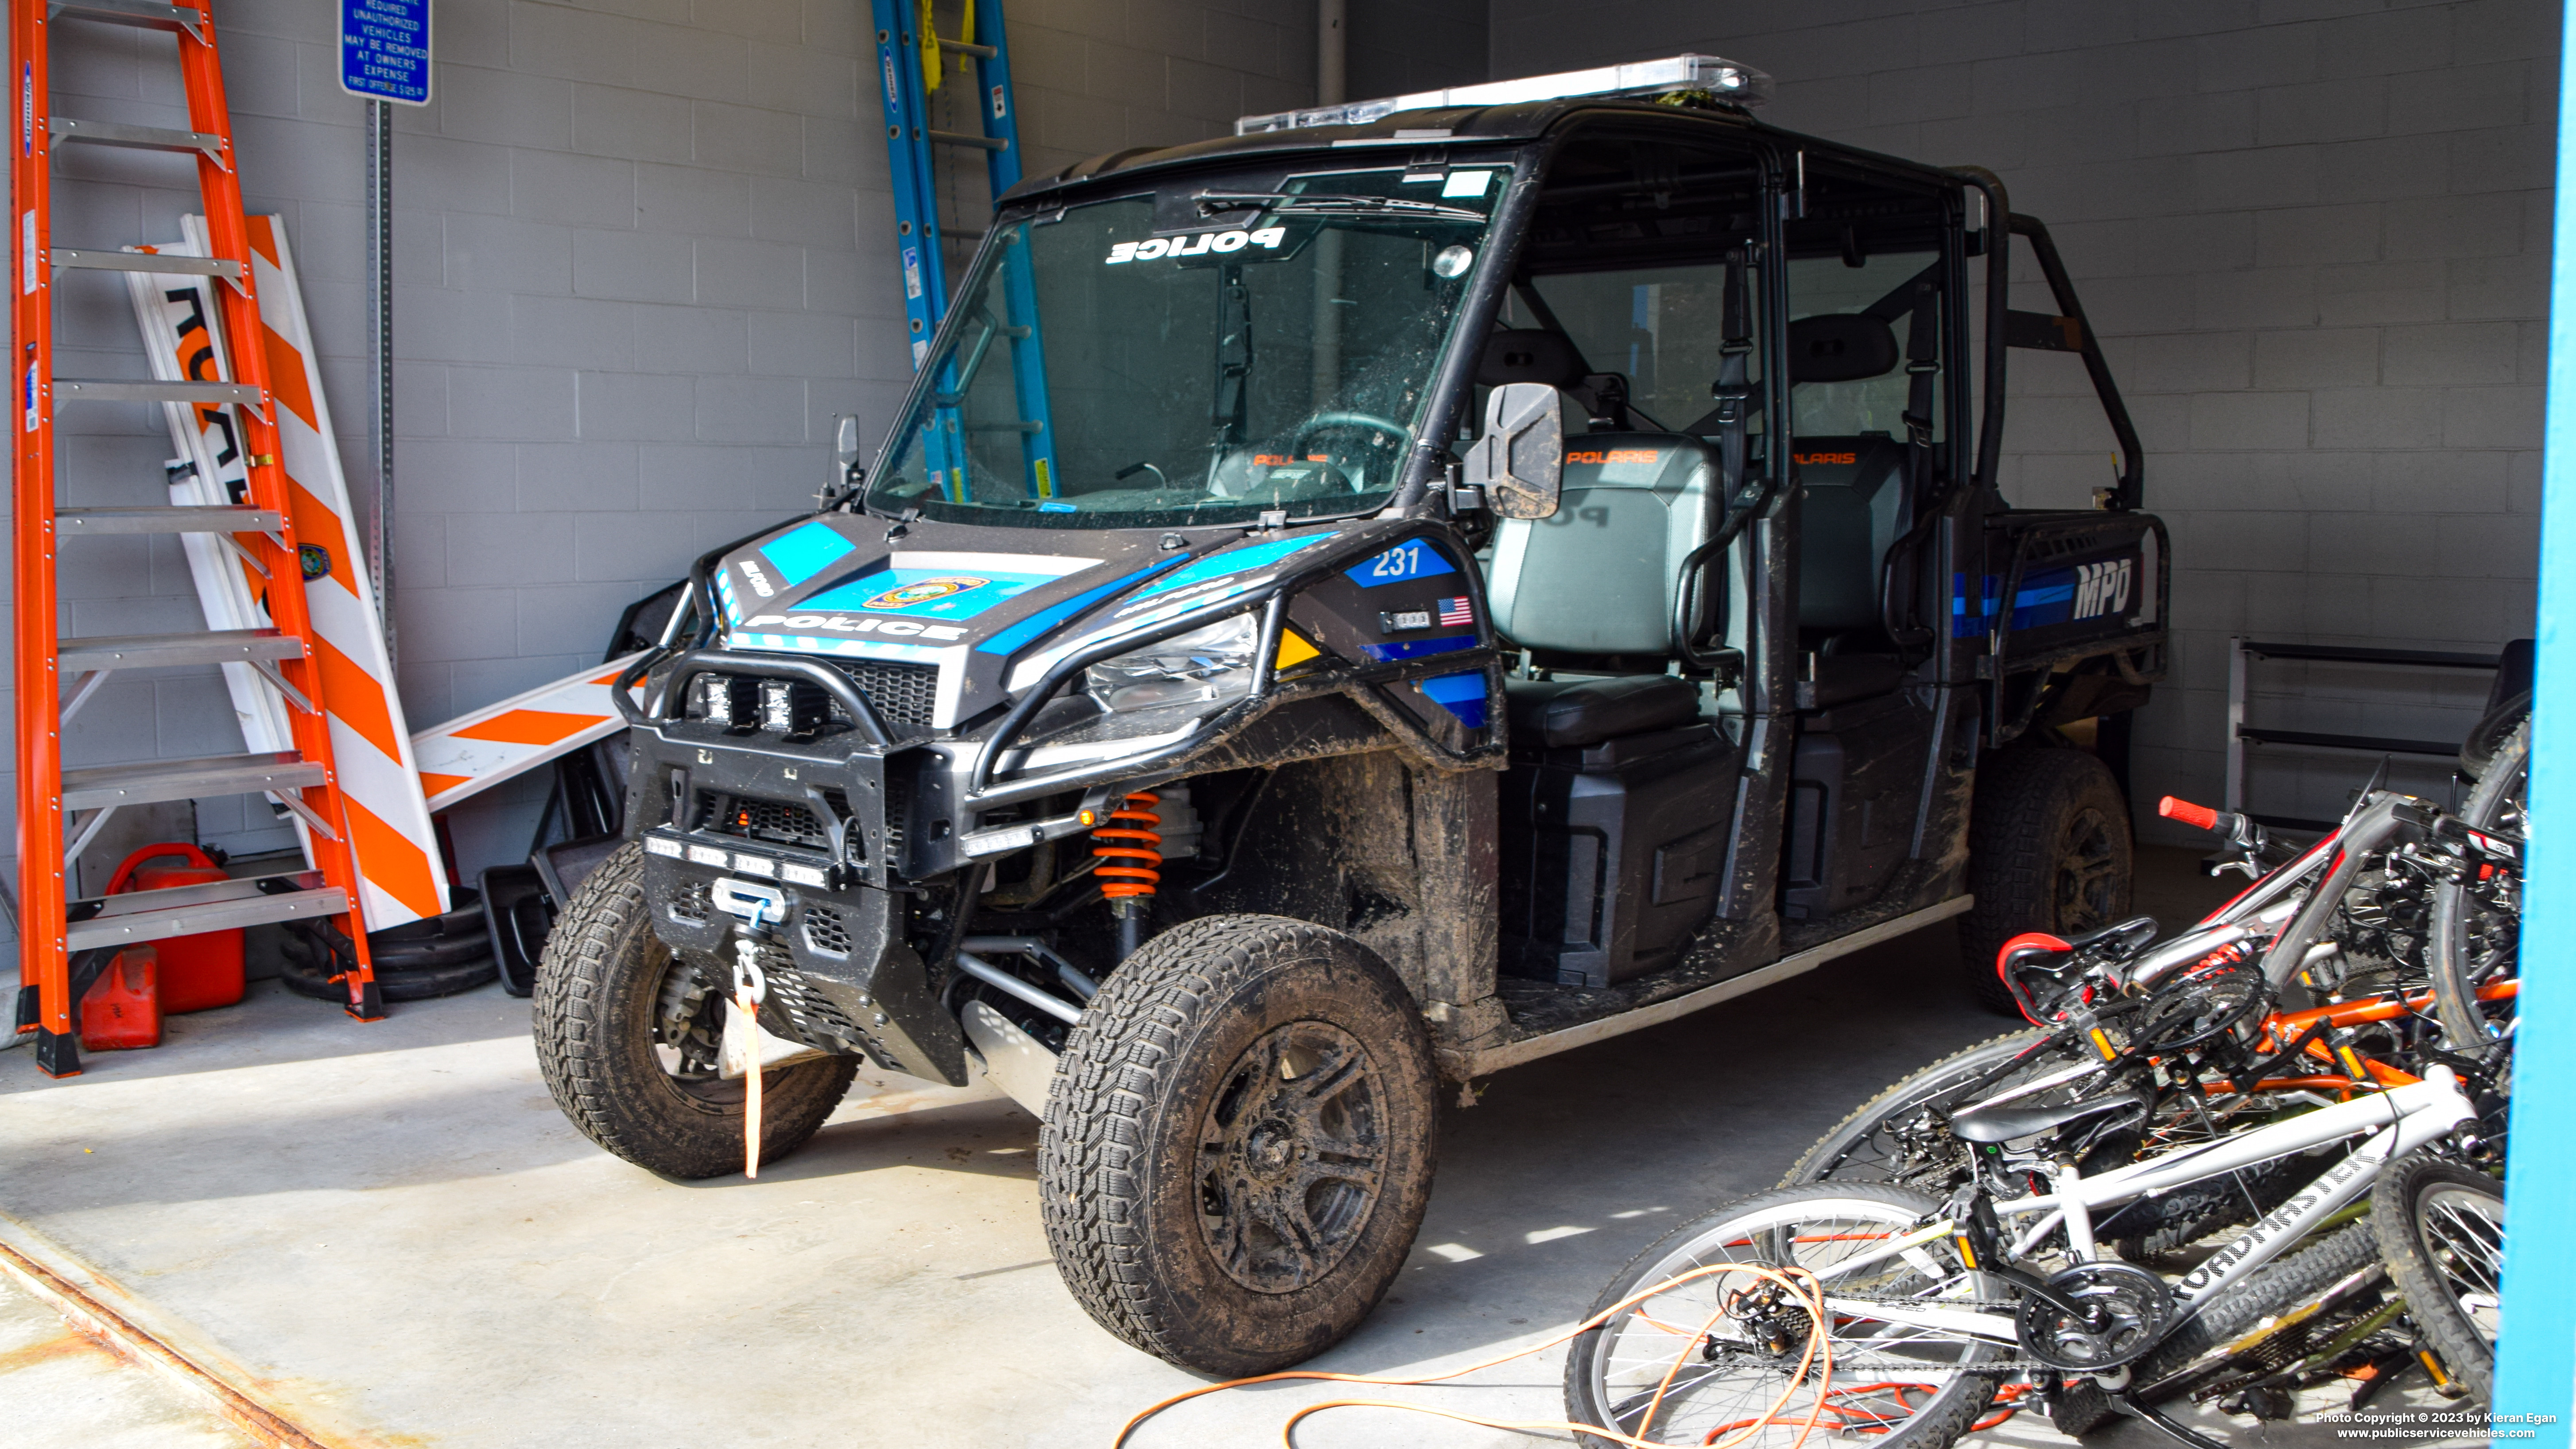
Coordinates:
[826,932]
[779,822]
[903,694]
[691,903]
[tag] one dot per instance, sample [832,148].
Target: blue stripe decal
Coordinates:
[1237,560]
[1462,694]
[1010,639]
[2044,599]
[1419,648]
[801,553]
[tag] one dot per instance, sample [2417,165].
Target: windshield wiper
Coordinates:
[1291,203]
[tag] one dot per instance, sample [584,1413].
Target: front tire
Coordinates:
[2441,1228]
[2048,850]
[1238,1145]
[1725,1354]
[634,1071]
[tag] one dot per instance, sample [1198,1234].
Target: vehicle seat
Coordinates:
[1572,713]
[1846,522]
[1599,577]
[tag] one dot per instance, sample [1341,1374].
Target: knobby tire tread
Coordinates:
[2012,864]
[2465,1353]
[1109,1084]
[2269,1290]
[570,1015]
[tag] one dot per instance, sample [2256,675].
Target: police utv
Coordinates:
[1345,609]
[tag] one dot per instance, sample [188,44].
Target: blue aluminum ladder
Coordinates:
[912,148]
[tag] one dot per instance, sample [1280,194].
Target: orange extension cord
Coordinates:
[1814,1304]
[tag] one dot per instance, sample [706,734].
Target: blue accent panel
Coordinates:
[801,553]
[2539,1308]
[1414,558]
[979,592]
[1462,694]
[1037,624]
[1236,560]
[1419,648]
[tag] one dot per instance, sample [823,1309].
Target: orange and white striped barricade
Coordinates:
[472,753]
[389,824]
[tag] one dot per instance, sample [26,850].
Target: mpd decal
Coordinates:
[2102,588]
[2046,597]
[1194,244]
[759,581]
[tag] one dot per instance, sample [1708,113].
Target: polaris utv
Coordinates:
[1345,609]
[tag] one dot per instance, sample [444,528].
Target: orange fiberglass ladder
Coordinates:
[62,943]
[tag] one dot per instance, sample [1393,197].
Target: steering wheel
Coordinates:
[1330,422]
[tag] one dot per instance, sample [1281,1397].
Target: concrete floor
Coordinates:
[394,1232]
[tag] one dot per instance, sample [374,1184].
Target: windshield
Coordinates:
[1197,355]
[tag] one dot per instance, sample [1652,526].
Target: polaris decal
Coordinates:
[1197,243]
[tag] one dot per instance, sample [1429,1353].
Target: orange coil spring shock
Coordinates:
[1132,868]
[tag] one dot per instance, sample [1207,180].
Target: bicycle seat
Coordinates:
[2003,1124]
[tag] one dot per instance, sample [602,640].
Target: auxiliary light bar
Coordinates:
[1727,80]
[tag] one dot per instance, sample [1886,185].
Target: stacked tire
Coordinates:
[416,961]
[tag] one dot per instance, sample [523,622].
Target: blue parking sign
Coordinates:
[384,50]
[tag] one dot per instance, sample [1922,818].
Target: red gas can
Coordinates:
[123,1008]
[197,971]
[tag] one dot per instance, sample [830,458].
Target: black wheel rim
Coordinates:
[2086,889]
[1291,1154]
[688,1029]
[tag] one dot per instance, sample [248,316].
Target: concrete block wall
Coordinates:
[643,252]
[2314,235]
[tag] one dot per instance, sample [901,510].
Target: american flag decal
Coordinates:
[1455,611]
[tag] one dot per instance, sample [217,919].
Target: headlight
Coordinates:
[1204,666]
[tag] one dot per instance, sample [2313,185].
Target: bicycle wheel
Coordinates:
[2441,1228]
[1893,1138]
[2472,939]
[2221,1375]
[1729,1356]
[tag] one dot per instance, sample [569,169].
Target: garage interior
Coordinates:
[643,253]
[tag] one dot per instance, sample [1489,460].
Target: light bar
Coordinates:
[1729,81]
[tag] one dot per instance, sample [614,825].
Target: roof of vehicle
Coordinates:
[1441,127]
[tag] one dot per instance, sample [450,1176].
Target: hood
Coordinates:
[958,600]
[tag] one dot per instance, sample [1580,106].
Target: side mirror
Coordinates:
[845,441]
[1520,461]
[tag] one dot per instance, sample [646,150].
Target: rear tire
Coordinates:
[2048,850]
[2453,943]
[603,1048]
[1239,1142]
[2268,1291]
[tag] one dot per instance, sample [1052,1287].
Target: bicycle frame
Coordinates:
[2399,1121]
